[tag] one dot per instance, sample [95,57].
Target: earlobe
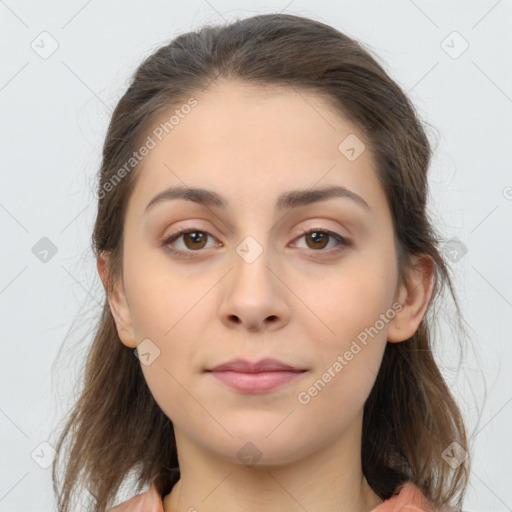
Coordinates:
[415,296]
[117,302]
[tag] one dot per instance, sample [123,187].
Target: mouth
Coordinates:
[259,377]
[256,382]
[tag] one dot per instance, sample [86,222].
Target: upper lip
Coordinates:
[264,365]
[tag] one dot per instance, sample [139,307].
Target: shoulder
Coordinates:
[149,501]
[409,498]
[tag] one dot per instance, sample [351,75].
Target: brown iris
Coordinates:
[196,237]
[318,237]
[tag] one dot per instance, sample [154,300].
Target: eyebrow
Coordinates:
[290,199]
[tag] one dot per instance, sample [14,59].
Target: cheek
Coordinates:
[349,345]
[173,328]
[354,315]
[162,311]
[354,299]
[160,299]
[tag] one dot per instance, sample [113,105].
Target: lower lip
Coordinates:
[256,382]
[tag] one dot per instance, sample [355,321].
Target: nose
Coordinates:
[255,296]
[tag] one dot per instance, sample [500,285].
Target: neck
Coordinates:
[327,479]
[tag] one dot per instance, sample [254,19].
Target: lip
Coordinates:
[256,382]
[258,377]
[263,365]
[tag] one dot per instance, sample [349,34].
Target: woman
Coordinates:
[265,248]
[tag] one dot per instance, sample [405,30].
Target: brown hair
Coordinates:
[116,428]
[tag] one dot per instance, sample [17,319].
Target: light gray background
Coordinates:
[54,113]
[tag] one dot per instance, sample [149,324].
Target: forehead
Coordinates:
[253,143]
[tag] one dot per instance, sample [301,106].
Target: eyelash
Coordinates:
[343,242]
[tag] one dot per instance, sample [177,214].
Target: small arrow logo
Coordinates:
[454,455]
[454,45]
[351,147]
[147,351]
[43,455]
[44,250]
[249,249]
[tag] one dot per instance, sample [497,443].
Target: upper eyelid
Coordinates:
[303,229]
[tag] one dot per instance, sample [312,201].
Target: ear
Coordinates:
[415,296]
[118,302]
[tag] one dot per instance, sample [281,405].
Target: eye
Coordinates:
[194,240]
[320,238]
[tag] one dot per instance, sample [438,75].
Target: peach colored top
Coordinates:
[408,499]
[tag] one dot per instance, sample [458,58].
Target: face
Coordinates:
[304,282]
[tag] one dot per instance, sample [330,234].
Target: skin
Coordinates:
[300,301]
